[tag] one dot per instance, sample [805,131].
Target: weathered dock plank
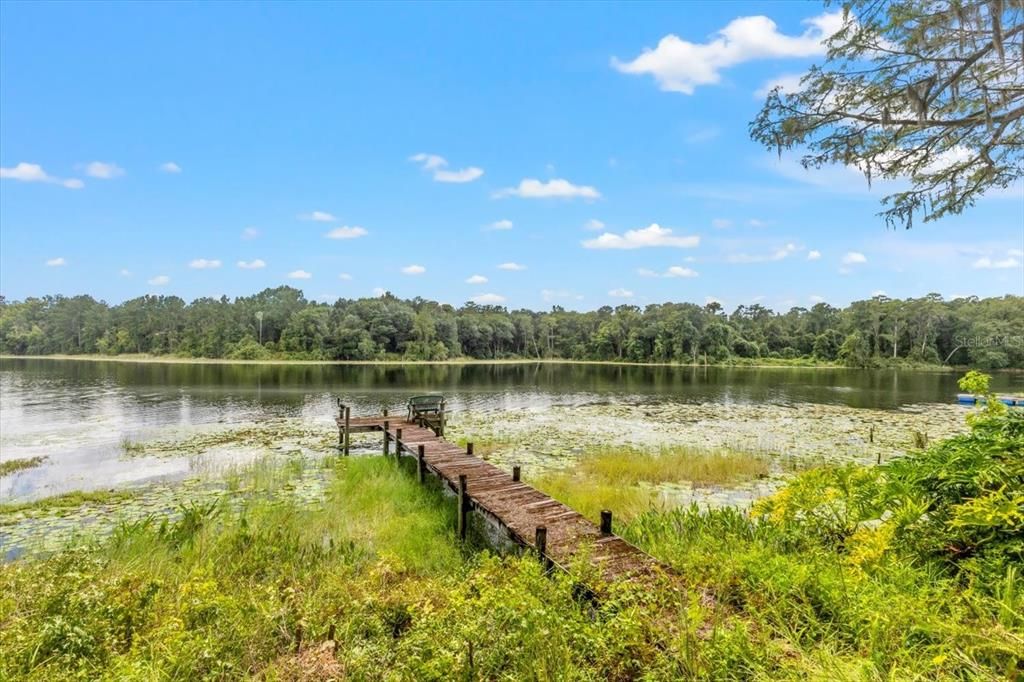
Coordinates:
[516,506]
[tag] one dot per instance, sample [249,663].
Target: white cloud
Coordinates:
[786,83]
[250,233]
[56,262]
[986,263]
[256,264]
[778,254]
[754,222]
[551,295]
[721,223]
[300,274]
[125,272]
[513,267]
[103,171]
[379,291]
[711,299]
[318,217]
[488,299]
[878,292]
[438,167]
[26,172]
[556,188]
[680,66]
[476,279]
[170,167]
[345,276]
[500,225]
[815,298]
[33,172]
[673,272]
[620,293]
[413,270]
[464,175]
[593,224]
[346,232]
[204,264]
[652,235]
[1016,253]
[854,258]
[679,271]
[159,280]
[813,254]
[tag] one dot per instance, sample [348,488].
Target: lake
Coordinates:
[83,416]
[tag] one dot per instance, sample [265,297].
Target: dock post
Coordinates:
[469,449]
[516,473]
[348,434]
[440,421]
[387,438]
[463,506]
[341,430]
[398,445]
[421,465]
[606,522]
[541,540]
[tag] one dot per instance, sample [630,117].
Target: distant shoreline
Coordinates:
[170,360]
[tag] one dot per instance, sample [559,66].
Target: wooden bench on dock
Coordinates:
[427,410]
[531,518]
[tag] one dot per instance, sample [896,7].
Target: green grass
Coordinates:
[69,500]
[608,478]
[10,466]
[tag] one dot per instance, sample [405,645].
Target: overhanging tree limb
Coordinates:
[924,91]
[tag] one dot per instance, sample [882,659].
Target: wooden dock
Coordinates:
[533,520]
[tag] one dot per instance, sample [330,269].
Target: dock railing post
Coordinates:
[516,473]
[463,506]
[421,464]
[387,438]
[541,540]
[398,445]
[341,428]
[440,421]
[348,433]
[606,522]
[469,449]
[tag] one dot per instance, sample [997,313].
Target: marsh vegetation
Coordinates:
[847,572]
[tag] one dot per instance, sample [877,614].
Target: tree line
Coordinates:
[281,323]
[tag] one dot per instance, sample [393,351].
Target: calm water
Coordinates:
[75,413]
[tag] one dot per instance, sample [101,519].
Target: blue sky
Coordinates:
[202,150]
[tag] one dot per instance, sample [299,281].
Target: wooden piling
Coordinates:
[341,431]
[421,463]
[348,433]
[463,506]
[398,444]
[469,449]
[606,522]
[516,473]
[541,542]
[387,439]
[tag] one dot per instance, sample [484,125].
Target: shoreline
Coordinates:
[171,360]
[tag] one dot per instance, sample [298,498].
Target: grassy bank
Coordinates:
[757,363]
[907,571]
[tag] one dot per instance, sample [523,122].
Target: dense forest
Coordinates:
[281,323]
